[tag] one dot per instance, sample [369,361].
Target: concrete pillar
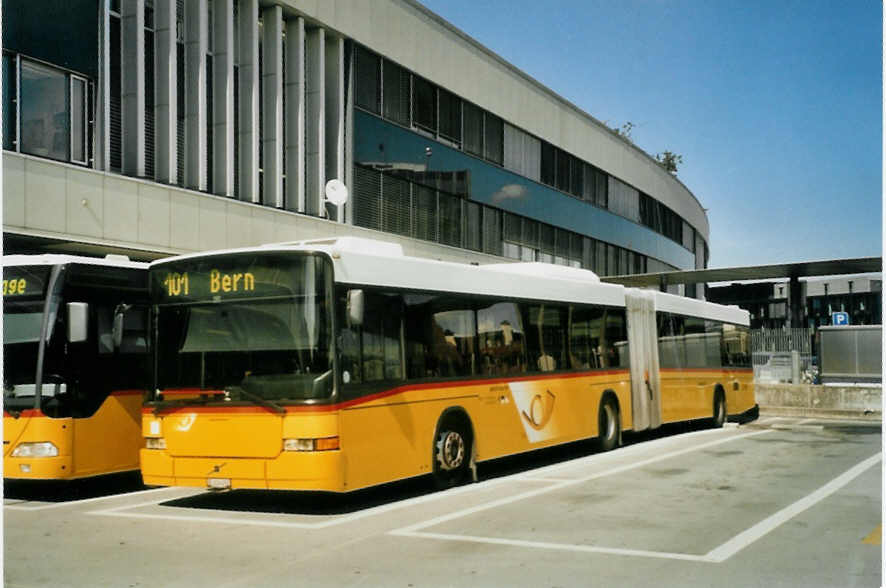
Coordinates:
[349,137]
[295,115]
[335,115]
[223,97]
[315,120]
[272,96]
[796,302]
[102,143]
[166,93]
[196,45]
[133,90]
[248,93]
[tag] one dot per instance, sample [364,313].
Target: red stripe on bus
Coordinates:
[378,395]
[27,413]
[127,393]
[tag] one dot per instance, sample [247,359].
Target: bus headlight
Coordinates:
[155,443]
[323,444]
[42,449]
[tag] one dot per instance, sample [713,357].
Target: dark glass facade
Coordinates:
[406,126]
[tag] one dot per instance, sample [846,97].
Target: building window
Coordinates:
[424,104]
[548,163]
[10,102]
[450,116]
[396,93]
[367,92]
[493,133]
[54,117]
[473,129]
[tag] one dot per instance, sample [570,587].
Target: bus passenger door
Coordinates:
[643,350]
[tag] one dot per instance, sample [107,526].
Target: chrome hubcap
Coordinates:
[450,450]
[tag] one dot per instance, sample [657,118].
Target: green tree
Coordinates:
[624,131]
[669,160]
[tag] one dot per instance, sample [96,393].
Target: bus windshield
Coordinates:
[269,338]
[23,306]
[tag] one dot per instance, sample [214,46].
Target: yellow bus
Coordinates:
[342,364]
[75,365]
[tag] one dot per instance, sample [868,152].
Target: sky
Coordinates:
[775,106]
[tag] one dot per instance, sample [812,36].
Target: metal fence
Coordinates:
[782,340]
[782,355]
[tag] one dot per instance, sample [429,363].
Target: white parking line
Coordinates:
[745,538]
[83,501]
[412,529]
[560,546]
[536,474]
[717,555]
[338,520]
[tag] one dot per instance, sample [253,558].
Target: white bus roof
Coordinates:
[366,262]
[59,259]
[692,307]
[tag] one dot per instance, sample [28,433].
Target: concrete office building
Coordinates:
[154,127]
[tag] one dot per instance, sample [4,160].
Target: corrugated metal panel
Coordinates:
[424,206]
[367,198]
[395,206]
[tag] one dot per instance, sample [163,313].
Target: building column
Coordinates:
[349,138]
[223,97]
[196,45]
[133,82]
[248,94]
[315,120]
[295,115]
[335,115]
[101,141]
[166,92]
[272,96]
[796,302]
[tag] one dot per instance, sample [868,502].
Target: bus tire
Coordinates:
[609,424]
[453,450]
[719,417]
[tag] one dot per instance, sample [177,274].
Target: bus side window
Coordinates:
[616,338]
[545,337]
[441,332]
[372,352]
[501,338]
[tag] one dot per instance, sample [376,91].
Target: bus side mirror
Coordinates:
[78,322]
[117,329]
[355,308]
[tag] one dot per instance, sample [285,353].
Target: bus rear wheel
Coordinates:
[608,425]
[719,410]
[453,451]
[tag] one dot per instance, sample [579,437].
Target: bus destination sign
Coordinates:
[24,281]
[231,277]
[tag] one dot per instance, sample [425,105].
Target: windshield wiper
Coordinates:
[257,399]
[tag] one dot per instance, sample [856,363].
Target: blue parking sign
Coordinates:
[839,318]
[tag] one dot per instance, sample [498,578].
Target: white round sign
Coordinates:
[336,192]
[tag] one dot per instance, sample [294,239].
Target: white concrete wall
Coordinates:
[48,199]
[409,34]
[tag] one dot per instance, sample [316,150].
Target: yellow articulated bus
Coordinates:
[75,365]
[342,364]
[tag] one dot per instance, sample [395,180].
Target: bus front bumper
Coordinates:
[37,468]
[317,470]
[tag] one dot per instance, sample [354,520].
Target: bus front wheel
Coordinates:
[453,453]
